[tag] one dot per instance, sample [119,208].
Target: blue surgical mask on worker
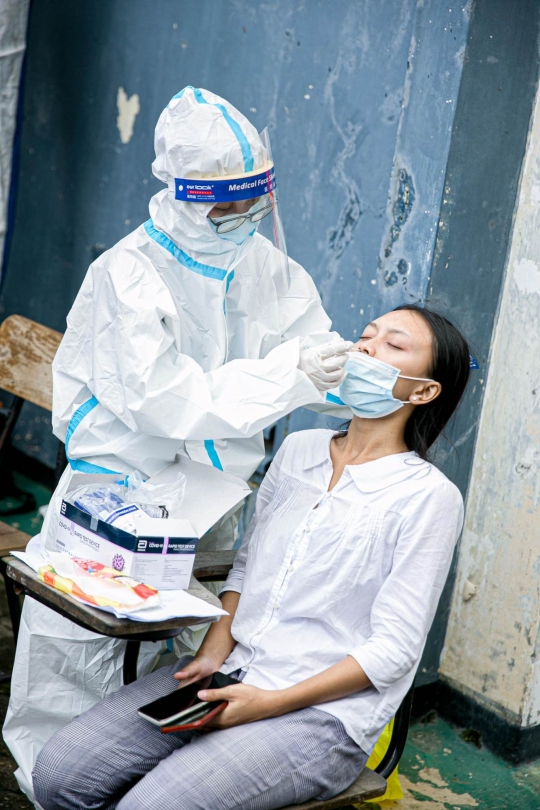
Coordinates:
[239,235]
[227,227]
[368,387]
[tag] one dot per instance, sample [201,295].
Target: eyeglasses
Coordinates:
[231,223]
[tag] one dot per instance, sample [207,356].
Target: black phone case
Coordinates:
[217,681]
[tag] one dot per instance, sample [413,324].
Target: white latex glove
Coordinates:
[325,365]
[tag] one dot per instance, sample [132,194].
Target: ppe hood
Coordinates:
[208,152]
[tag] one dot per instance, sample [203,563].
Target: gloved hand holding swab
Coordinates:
[325,365]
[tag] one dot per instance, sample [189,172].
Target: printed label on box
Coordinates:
[164,563]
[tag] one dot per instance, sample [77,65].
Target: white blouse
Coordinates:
[356,571]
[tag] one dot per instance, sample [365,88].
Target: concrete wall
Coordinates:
[492,649]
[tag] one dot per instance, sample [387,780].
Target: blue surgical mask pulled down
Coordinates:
[368,387]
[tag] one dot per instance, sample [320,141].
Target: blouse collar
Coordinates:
[373,475]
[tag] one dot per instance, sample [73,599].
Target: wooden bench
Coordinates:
[27,350]
[11,540]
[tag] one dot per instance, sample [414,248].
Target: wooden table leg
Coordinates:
[14,604]
[131,656]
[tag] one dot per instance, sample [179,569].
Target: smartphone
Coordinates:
[183,704]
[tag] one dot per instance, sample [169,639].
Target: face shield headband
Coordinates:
[229,189]
[263,217]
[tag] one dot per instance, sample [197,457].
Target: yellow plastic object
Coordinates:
[97,584]
[394,791]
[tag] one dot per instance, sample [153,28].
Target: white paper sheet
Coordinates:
[174,604]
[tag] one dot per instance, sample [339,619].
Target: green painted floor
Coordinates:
[438,771]
[30,522]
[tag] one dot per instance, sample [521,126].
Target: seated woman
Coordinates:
[330,600]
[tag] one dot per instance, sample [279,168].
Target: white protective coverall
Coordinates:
[178,342]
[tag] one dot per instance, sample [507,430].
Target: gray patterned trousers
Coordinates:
[110,758]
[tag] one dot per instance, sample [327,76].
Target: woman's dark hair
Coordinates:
[451,368]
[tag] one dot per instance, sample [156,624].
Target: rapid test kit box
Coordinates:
[163,551]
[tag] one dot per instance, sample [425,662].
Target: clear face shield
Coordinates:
[243,206]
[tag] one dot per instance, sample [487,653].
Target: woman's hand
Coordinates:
[216,647]
[200,667]
[248,703]
[245,704]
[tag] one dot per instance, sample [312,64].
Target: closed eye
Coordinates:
[393,346]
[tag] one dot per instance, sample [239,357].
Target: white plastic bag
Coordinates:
[108,504]
[167,496]
[122,504]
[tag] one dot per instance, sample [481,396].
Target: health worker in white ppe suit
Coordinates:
[190,336]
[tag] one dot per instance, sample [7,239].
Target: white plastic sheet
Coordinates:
[173,604]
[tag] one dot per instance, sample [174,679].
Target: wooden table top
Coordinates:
[207,565]
[11,539]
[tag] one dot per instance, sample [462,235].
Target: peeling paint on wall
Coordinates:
[527,276]
[340,236]
[430,90]
[350,135]
[401,210]
[128,109]
[403,203]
